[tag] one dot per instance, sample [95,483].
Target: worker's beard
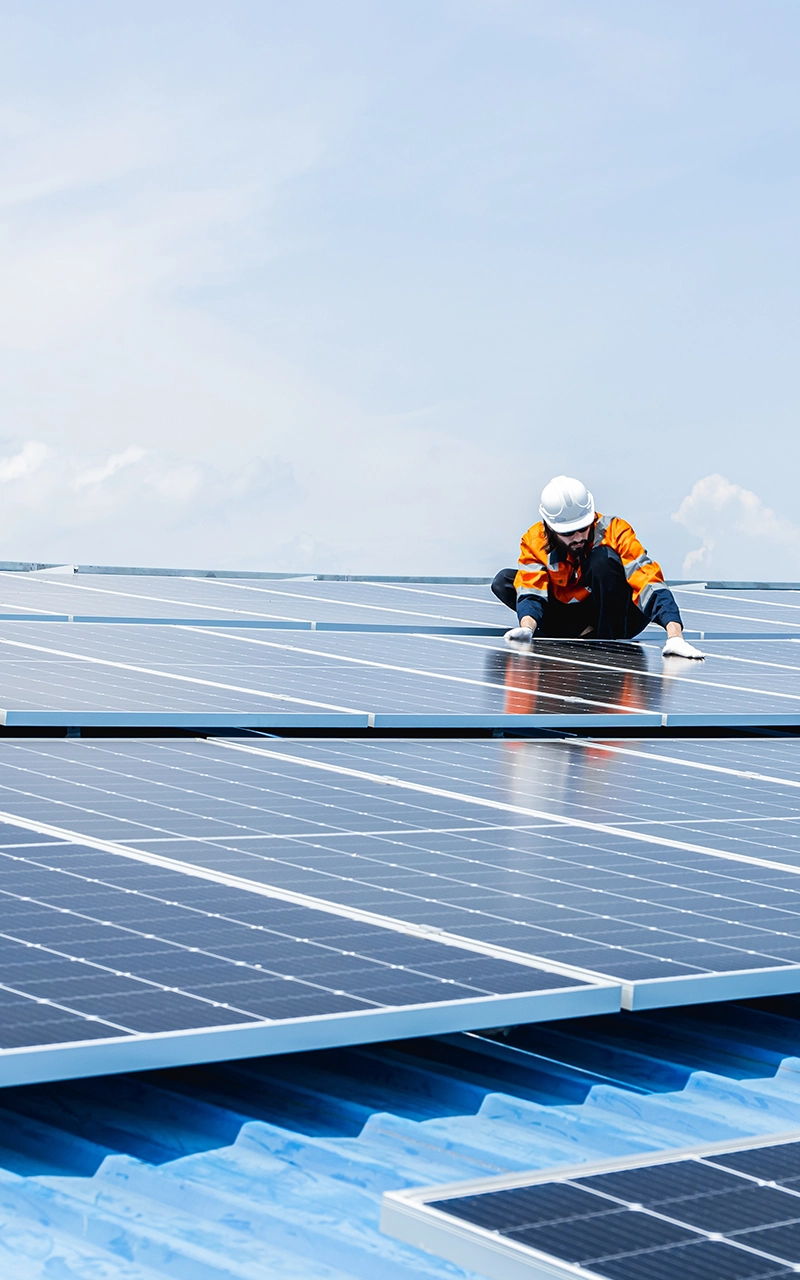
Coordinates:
[577,553]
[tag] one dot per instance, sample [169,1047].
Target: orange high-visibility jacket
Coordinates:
[540,573]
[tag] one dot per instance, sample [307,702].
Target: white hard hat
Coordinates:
[566,505]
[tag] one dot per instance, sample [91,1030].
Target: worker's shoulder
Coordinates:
[614,524]
[535,536]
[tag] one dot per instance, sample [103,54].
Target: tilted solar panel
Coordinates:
[516,846]
[304,602]
[298,604]
[714,1213]
[763,612]
[109,963]
[199,677]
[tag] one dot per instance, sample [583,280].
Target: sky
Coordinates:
[338,285]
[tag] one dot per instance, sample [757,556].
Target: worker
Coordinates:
[583,575]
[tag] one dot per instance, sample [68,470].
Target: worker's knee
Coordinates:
[606,566]
[503,587]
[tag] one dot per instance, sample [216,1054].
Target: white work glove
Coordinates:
[519,633]
[677,647]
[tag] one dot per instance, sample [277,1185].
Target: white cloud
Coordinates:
[96,475]
[320,508]
[59,505]
[29,459]
[742,538]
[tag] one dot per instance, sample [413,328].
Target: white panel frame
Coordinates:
[705,988]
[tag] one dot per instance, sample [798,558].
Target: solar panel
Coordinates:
[713,612]
[509,846]
[289,604]
[111,963]
[713,1213]
[300,603]
[201,677]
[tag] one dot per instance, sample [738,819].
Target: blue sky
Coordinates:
[340,284]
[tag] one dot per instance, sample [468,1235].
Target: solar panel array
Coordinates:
[197,677]
[228,891]
[729,1214]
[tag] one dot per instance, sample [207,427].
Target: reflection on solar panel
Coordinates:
[733,797]
[711,1214]
[519,847]
[200,677]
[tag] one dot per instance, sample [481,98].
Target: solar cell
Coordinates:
[108,964]
[702,1214]
[197,676]
[533,848]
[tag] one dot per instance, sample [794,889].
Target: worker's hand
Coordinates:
[525,634]
[677,647]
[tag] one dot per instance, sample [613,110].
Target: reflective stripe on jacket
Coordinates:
[540,573]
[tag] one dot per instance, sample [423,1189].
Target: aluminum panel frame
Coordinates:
[197,721]
[707,988]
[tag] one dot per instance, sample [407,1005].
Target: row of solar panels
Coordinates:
[201,678]
[170,901]
[303,604]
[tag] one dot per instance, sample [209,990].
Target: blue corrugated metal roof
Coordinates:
[275,1167]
